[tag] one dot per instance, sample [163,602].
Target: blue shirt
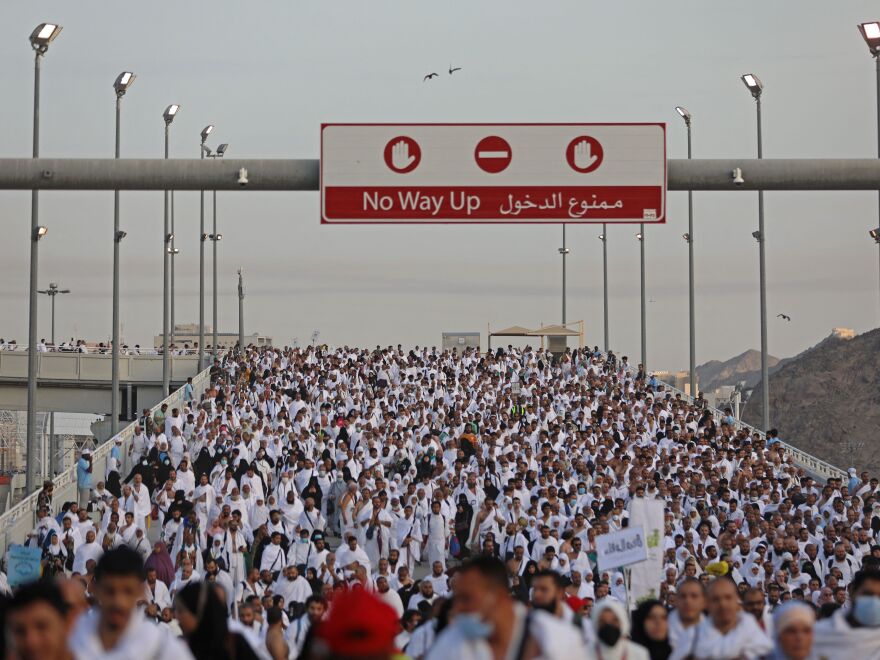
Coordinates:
[83,476]
[188,392]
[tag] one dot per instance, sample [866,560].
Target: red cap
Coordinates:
[359,624]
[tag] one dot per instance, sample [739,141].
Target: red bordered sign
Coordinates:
[493,173]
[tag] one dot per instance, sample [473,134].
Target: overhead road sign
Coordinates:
[493,173]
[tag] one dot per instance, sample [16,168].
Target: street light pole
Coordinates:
[564,252]
[40,39]
[604,238]
[871,35]
[755,86]
[875,234]
[215,237]
[169,114]
[123,82]
[53,291]
[641,237]
[54,458]
[689,237]
[240,311]
[202,237]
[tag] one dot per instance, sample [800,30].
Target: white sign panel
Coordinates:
[497,173]
[646,576]
[622,548]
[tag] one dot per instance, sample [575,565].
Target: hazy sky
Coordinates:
[268,73]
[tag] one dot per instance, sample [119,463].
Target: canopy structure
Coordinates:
[556,334]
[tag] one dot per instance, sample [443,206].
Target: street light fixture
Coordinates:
[756,87]
[123,81]
[43,35]
[686,237]
[640,236]
[753,84]
[40,38]
[39,232]
[170,113]
[120,235]
[871,35]
[684,114]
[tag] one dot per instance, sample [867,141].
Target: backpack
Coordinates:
[454,547]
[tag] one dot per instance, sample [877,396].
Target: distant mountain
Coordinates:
[744,367]
[826,400]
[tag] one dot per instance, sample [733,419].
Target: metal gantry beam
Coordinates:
[303,174]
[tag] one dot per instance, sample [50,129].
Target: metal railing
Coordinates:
[20,520]
[816,466]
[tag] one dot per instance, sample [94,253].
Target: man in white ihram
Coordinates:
[727,632]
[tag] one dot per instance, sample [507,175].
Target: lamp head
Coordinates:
[206,131]
[39,232]
[43,35]
[221,149]
[123,81]
[684,114]
[639,236]
[753,84]
[170,113]
[871,34]
[875,234]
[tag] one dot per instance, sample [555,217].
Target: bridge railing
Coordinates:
[19,521]
[815,466]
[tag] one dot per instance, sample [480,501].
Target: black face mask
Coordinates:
[609,635]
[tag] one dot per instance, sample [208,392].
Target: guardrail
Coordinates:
[21,519]
[61,367]
[812,464]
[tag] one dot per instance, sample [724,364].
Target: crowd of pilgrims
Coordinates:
[301,474]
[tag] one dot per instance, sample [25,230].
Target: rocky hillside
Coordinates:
[746,366]
[827,400]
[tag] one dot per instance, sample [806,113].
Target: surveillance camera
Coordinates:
[737,176]
[242,177]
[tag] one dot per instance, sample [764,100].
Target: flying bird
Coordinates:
[429,76]
[783,317]
[453,70]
